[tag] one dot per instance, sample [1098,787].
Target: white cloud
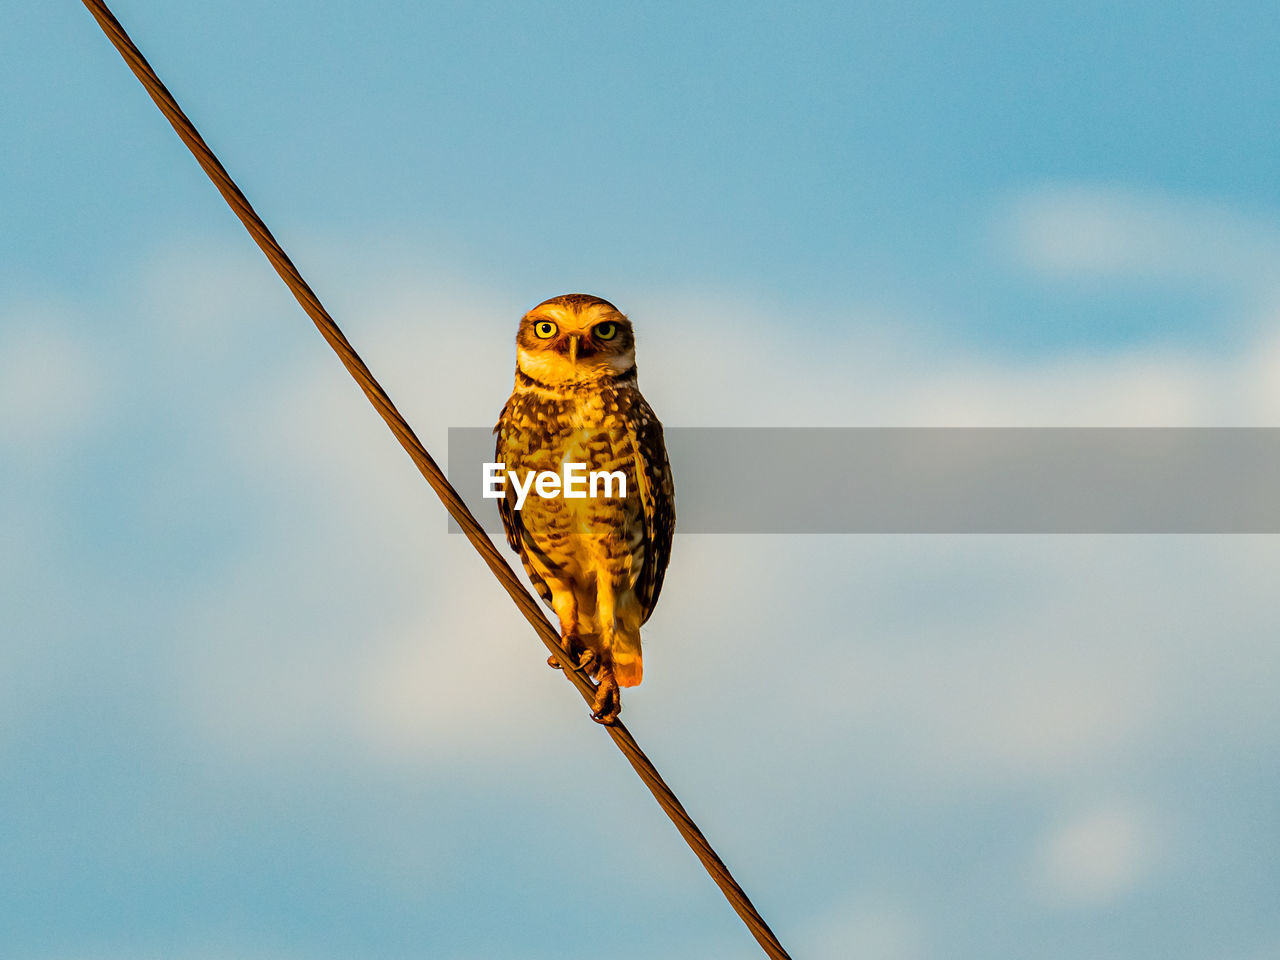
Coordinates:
[715,365]
[798,676]
[52,387]
[1091,230]
[869,929]
[1099,854]
[1007,691]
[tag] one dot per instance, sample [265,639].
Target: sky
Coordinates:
[257,704]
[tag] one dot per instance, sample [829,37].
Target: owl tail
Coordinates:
[624,641]
[628,662]
[628,670]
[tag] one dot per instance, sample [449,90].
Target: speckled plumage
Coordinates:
[599,562]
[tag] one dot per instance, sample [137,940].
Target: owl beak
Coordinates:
[573,348]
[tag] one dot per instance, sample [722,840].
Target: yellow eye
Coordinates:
[545,329]
[605,331]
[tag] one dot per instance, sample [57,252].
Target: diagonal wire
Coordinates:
[430,470]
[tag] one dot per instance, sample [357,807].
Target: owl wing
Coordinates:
[506,510]
[512,525]
[657,501]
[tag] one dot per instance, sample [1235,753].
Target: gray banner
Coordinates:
[951,480]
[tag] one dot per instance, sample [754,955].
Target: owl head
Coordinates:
[575,338]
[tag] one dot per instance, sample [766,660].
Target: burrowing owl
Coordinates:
[598,561]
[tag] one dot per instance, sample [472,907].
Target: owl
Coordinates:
[598,561]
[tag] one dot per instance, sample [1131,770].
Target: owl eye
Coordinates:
[605,331]
[545,329]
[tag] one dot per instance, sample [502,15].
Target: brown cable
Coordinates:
[430,470]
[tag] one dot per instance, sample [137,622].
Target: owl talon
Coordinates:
[608,702]
[583,657]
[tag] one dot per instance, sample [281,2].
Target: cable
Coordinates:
[309,302]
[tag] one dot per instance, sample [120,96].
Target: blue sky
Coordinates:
[255,703]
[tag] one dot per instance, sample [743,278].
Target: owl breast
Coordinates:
[583,555]
[547,432]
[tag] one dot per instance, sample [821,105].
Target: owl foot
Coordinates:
[608,702]
[584,658]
